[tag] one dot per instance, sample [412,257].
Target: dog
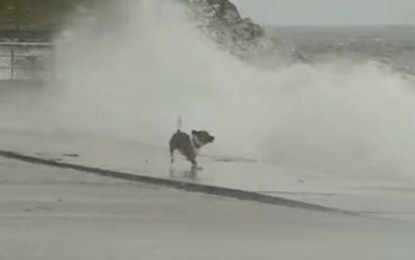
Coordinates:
[189,145]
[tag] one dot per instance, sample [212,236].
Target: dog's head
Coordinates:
[203,137]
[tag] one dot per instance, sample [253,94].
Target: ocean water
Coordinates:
[393,46]
[348,108]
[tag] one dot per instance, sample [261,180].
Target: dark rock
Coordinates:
[221,21]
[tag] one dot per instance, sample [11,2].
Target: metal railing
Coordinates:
[25,60]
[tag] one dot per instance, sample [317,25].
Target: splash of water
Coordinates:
[132,83]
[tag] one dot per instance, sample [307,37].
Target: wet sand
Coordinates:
[51,213]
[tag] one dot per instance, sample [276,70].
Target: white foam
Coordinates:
[133,81]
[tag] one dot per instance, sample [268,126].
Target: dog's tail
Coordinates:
[179,123]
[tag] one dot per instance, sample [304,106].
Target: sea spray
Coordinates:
[337,116]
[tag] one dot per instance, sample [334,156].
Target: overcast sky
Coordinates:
[328,12]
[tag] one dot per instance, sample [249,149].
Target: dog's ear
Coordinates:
[194,132]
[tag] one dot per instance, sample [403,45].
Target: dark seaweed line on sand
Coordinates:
[187,186]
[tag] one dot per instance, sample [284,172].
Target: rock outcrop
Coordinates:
[222,22]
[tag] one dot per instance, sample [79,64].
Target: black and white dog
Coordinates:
[189,145]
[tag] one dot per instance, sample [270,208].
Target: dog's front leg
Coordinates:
[195,166]
[171,156]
